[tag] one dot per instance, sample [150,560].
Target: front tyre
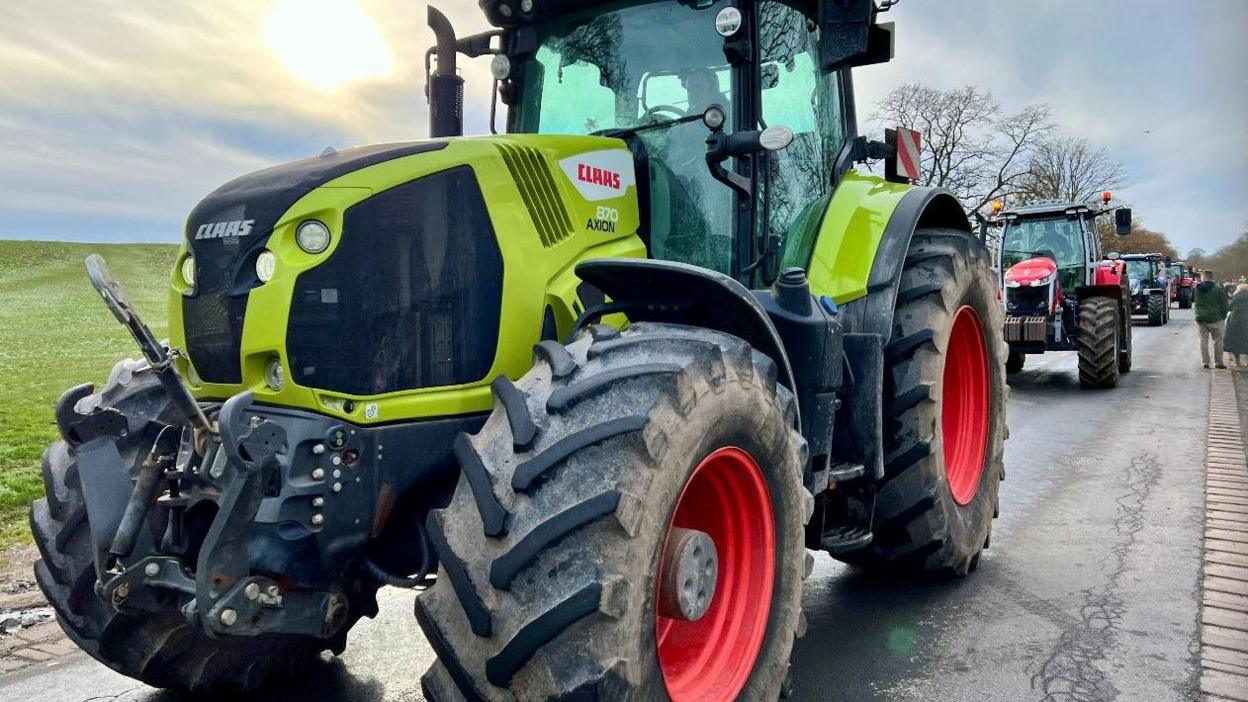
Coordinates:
[628,526]
[1156,310]
[1100,343]
[944,412]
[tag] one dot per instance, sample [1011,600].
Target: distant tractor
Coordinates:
[1183,281]
[1150,286]
[1058,292]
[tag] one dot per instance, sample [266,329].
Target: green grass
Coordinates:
[55,332]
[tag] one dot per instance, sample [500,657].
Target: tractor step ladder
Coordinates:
[844,539]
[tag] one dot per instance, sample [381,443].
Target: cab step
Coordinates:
[844,539]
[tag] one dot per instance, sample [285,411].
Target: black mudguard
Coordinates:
[678,293]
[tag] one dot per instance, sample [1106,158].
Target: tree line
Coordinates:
[981,153]
[1227,263]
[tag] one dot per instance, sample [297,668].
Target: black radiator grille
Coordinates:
[410,298]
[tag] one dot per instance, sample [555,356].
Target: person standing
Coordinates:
[1236,342]
[1211,308]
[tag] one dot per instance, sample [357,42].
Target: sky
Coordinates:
[117,116]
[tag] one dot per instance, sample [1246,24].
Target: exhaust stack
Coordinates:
[446,87]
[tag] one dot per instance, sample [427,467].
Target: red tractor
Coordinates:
[1059,293]
[1183,284]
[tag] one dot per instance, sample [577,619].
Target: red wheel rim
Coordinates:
[965,406]
[710,660]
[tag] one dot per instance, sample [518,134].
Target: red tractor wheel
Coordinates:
[628,526]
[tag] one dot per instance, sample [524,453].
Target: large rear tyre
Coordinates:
[600,477]
[161,650]
[1156,310]
[1100,343]
[1185,298]
[944,412]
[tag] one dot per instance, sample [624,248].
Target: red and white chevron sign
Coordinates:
[909,144]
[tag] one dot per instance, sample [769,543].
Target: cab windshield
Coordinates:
[633,65]
[1140,269]
[1058,238]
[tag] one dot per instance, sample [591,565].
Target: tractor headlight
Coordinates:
[1011,283]
[188,271]
[312,236]
[1039,282]
[274,375]
[266,264]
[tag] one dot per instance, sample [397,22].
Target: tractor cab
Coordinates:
[667,76]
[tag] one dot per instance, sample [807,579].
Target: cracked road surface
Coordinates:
[1089,592]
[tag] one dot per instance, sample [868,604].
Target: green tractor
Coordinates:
[596,384]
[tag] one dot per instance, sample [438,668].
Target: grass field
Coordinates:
[55,332]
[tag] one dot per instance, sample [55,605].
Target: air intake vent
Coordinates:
[537,187]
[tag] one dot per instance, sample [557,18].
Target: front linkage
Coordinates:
[224,494]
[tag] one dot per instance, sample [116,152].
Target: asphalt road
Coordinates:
[1089,591]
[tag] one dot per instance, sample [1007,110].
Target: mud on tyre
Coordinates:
[162,650]
[552,546]
[944,412]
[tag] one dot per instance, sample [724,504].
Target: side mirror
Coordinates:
[1122,221]
[849,35]
[1113,256]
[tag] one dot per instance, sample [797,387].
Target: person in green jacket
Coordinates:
[1211,308]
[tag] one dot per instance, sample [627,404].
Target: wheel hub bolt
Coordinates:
[690,570]
[252,591]
[152,569]
[318,474]
[228,617]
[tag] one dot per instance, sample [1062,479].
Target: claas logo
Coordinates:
[598,176]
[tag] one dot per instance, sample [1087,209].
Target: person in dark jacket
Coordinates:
[1236,342]
[1211,308]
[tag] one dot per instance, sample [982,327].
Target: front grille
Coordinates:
[538,190]
[410,298]
[212,314]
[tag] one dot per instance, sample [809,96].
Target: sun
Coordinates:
[327,43]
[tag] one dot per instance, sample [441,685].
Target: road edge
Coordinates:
[1224,570]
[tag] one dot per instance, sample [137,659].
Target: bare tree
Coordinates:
[968,147]
[1067,168]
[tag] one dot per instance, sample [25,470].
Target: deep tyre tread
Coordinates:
[1100,356]
[569,585]
[1157,310]
[918,526]
[161,650]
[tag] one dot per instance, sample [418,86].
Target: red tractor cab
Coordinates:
[1183,280]
[1059,292]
